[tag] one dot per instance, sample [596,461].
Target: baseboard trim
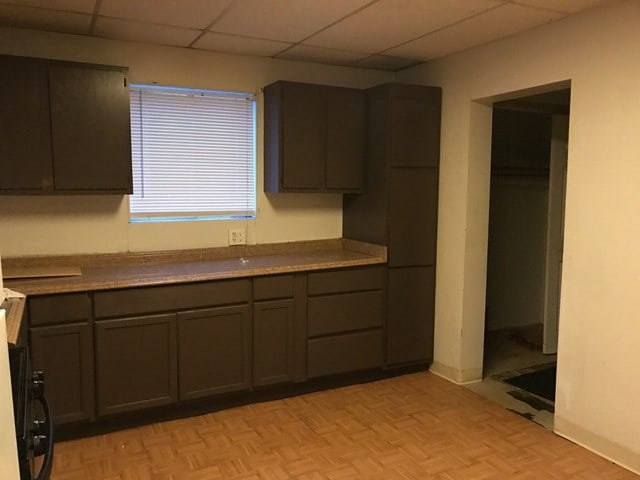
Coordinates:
[459,377]
[603,447]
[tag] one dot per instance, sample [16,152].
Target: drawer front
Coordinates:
[344,353]
[52,309]
[350,280]
[134,301]
[267,288]
[342,313]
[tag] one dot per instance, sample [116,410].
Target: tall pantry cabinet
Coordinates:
[399,209]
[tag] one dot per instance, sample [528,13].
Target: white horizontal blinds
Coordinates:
[193,152]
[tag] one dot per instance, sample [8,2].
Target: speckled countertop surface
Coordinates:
[109,271]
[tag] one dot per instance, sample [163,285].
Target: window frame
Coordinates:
[186,216]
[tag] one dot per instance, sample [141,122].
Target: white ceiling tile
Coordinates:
[568,6]
[386,62]
[495,24]
[144,32]
[181,13]
[390,22]
[221,42]
[42,19]
[83,6]
[307,53]
[285,20]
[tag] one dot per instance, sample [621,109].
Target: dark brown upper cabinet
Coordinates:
[314,138]
[25,131]
[90,123]
[64,128]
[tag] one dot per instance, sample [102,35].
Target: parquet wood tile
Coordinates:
[410,427]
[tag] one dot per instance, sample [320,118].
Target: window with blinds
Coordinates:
[193,154]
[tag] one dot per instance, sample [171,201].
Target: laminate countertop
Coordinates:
[110,271]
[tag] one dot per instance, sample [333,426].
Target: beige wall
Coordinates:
[62,225]
[596,402]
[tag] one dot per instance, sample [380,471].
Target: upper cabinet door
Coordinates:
[415,126]
[303,140]
[25,138]
[90,124]
[346,138]
[314,138]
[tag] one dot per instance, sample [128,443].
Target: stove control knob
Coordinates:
[40,445]
[37,385]
[39,428]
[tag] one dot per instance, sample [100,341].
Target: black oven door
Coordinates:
[41,431]
[34,428]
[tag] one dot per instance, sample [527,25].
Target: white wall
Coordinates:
[90,224]
[596,401]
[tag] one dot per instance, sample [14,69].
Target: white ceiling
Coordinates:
[380,34]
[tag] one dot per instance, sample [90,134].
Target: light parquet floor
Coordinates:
[416,426]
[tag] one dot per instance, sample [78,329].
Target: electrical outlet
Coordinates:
[237,236]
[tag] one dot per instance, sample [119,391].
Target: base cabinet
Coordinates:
[214,355]
[345,353]
[122,351]
[345,321]
[136,363]
[65,354]
[273,342]
[410,314]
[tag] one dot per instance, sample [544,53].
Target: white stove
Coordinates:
[9,467]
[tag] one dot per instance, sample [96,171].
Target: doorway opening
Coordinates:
[524,261]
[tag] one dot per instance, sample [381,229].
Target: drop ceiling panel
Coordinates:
[181,13]
[568,6]
[388,23]
[41,19]
[144,32]
[83,6]
[285,20]
[308,53]
[386,62]
[489,26]
[221,42]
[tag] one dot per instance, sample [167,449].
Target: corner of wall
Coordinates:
[613,451]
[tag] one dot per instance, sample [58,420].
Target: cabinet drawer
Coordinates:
[134,301]
[51,309]
[344,353]
[350,280]
[341,313]
[267,288]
